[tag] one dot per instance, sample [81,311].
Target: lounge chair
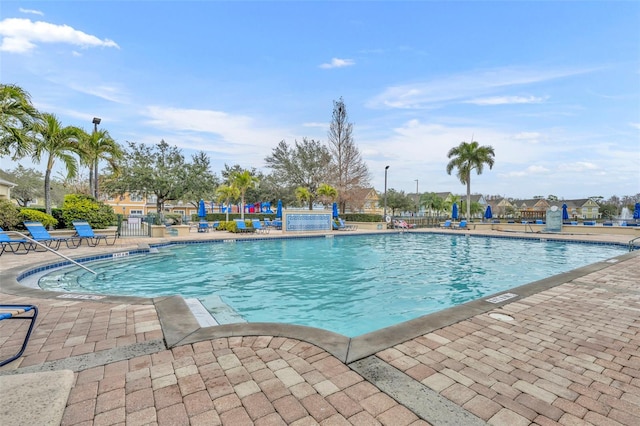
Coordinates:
[8,312]
[242,227]
[15,245]
[344,225]
[203,226]
[40,234]
[403,224]
[462,224]
[446,224]
[258,227]
[85,233]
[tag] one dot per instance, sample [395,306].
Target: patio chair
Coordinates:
[446,224]
[85,232]
[9,312]
[258,227]
[203,226]
[462,225]
[346,226]
[15,245]
[242,227]
[40,234]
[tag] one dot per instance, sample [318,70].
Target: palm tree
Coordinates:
[302,194]
[467,157]
[98,146]
[243,181]
[57,143]
[431,202]
[225,194]
[17,116]
[327,194]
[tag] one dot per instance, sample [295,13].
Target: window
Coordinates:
[152,199]
[135,197]
[136,213]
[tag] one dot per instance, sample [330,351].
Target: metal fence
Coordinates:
[132,226]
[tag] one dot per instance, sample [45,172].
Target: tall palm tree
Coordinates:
[467,157]
[327,193]
[243,181]
[57,143]
[225,194]
[17,116]
[97,146]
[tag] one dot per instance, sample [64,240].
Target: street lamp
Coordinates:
[417,195]
[385,192]
[94,166]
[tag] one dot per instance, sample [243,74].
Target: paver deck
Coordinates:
[565,351]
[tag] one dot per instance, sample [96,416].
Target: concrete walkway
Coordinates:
[564,350]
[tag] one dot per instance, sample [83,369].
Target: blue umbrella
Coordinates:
[636,211]
[202,211]
[487,213]
[279,209]
[454,211]
[335,210]
[565,213]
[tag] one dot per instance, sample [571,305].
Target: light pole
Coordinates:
[94,165]
[417,197]
[385,192]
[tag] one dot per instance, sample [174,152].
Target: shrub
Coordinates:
[9,215]
[173,219]
[83,207]
[38,216]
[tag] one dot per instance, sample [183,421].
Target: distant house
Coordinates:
[365,200]
[584,208]
[5,189]
[135,204]
[531,209]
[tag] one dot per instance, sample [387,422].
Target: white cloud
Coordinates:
[635,125]
[504,100]
[31,11]
[23,35]
[578,166]
[531,170]
[465,87]
[338,63]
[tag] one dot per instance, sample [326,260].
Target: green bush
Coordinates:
[83,207]
[9,215]
[38,216]
[173,219]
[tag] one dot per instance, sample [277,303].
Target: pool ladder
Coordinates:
[632,244]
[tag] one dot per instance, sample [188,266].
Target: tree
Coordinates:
[243,181]
[348,171]
[432,203]
[225,194]
[160,170]
[306,165]
[55,142]
[98,146]
[202,183]
[327,194]
[17,116]
[399,201]
[302,195]
[467,157]
[29,184]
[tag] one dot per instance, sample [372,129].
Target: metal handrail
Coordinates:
[632,244]
[51,250]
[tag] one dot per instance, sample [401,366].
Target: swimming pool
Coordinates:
[348,284]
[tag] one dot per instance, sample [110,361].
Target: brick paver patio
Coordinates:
[570,355]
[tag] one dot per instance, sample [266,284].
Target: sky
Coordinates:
[552,86]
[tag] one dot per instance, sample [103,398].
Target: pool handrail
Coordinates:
[51,250]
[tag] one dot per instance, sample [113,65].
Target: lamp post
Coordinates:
[417,197]
[385,192]
[94,165]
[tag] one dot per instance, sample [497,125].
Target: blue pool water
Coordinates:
[350,285]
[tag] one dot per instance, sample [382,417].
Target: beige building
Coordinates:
[5,189]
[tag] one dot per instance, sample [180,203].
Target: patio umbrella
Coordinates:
[565,213]
[335,210]
[636,211]
[279,209]
[487,213]
[202,211]
[454,211]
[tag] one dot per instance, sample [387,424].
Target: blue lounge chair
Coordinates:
[203,226]
[9,312]
[446,224]
[258,227]
[241,226]
[462,224]
[346,227]
[85,233]
[15,245]
[40,234]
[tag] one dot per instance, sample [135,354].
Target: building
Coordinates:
[5,189]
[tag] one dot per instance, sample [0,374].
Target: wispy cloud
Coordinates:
[31,11]
[506,100]
[338,63]
[467,87]
[529,171]
[23,35]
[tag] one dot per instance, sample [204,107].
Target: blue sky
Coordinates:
[554,87]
